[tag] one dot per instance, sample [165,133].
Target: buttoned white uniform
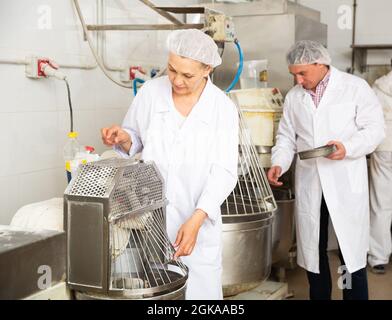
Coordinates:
[381,181]
[348,112]
[198,161]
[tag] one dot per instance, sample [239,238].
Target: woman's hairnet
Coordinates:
[194,44]
[308,52]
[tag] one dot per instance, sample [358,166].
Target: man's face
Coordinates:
[308,75]
[185,75]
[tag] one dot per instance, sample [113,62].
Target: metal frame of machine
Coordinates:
[98,202]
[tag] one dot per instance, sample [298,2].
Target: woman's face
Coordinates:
[186,75]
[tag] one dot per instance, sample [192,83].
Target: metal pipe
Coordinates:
[98,60]
[163,13]
[77,66]
[353,37]
[61,65]
[101,37]
[130,27]
[183,9]
[13,61]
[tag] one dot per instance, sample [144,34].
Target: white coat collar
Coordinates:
[202,108]
[333,85]
[334,79]
[333,82]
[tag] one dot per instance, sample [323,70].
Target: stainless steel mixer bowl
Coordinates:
[247,251]
[131,287]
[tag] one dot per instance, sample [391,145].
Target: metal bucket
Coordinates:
[283,231]
[247,250]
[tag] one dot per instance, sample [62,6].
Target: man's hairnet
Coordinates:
[308,52]
[194,44]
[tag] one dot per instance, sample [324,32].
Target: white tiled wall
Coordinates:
[374,25]
[34,114]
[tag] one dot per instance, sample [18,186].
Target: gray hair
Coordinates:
[308,52]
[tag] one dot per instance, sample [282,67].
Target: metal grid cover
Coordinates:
[137,185]
[140,186]
[93,180]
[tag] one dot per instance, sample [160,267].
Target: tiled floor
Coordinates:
[380,286]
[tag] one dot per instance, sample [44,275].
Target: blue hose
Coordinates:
[135,82]
[240,66]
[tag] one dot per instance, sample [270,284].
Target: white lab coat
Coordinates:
[383,89]
[349,112]
[198,162]
[381,181]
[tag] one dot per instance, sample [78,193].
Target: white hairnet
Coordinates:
[194,44]
[308,52]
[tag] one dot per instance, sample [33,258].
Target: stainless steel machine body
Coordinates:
[266,29]
[117,246]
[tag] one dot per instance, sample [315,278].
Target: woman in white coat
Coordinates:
[328,106]
[189,128]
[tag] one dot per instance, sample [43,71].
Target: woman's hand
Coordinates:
[116,136]
[187,235]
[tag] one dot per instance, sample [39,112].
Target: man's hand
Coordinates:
[340,153]
[187,235]
[273,175]
[116,136]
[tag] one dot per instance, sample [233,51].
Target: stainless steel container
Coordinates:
[283,231]
[246,254]
[323,151]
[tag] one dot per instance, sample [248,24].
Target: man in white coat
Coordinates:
[328,106]
[381,184]
[189,128]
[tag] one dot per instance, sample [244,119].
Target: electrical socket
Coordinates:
[144,72]
[34,68]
